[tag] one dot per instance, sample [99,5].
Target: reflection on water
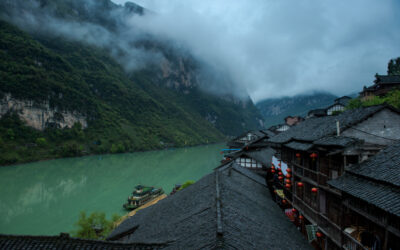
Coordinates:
[46,197]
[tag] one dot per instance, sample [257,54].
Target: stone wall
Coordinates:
[40,115]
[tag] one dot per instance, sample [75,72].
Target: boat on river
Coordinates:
[141,195]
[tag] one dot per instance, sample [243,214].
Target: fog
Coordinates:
[283,48]
[261,48]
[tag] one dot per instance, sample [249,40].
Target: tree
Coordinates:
[96,226]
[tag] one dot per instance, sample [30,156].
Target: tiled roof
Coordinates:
[299,146]
[384,166]
[341,141]
[263,155]
[315,128]
[230,208]
[375,193]
[376,180]
[385,79]
[65,242]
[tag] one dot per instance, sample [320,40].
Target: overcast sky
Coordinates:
[282,47]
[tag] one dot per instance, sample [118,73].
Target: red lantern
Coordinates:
[301,217]
[298,155]
[313,155]
[288,170]
[288,176]
[300,184]
[318,234]
[280,178]
[272,167]
[279,169]
[280,173]
[294,210]
[287,181]
[274,191]
[287,185]
[272,170]
[314,190]
[284,201]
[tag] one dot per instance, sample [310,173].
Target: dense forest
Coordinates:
[125,111]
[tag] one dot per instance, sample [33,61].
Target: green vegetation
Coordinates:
[125,113]
[186,184]
[94,226]
[394,66]
[392,98]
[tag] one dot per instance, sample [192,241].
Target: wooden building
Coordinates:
[371,202]
[257,160]
[318,150]
[246,138]
[382,85]
[338,106]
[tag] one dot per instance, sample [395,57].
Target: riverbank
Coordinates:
[46,198]
[55,157]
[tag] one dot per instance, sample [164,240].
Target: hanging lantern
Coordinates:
[294,210]
[300,184]
[288,176]
[301,217]
[272,167]
[288,170]
[280,173]
[272,170]
[274,191]
[313,155]
[280,178]
[284,201]
[288,186]
[314,190]
[287,181]
[298,155]
[319,234]
[279,169]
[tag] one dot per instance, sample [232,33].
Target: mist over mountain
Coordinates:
[274,110]
[78,79]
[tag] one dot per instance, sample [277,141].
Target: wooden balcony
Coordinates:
[310,213]
[352,244]
[308,175]
[330,229]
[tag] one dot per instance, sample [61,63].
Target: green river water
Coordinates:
[45,198]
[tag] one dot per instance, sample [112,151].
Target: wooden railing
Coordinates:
[330,228]
[305,172]
[352,244]
[308,211]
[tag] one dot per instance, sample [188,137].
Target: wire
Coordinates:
[374,134]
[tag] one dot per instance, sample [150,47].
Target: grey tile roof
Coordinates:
[262,155]
[64,242]
[341,141]
[385,79]
[383,196]
[376,180]
[230,208]
[315,128]
[299,146]
[384,166]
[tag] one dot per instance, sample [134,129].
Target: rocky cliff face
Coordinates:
[40,116]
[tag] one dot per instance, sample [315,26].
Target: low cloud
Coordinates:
[266,48]
[282,48]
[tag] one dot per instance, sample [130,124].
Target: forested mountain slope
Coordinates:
[63,97]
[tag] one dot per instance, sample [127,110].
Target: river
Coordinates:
[45,198]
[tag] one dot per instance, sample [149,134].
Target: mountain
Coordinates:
[276,109]
[69,95]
